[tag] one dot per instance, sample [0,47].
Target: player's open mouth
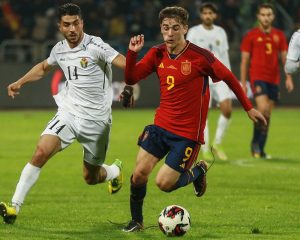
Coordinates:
[170,41]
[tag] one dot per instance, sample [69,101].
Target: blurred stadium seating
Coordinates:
[28,28]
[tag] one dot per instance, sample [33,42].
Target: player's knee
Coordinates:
[227,114]
[164,185]
[39,152]
[39,157]
[140,177]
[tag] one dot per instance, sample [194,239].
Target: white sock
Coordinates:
[223,124]
[112,171]
[205,147]
[29,176]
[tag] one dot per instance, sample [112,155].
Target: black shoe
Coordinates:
[200,182]
[133,226]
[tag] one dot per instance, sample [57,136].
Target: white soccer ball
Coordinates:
[174,220]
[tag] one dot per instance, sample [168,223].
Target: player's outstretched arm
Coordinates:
[36,73]
[256,116]
[136,43]
[119,61]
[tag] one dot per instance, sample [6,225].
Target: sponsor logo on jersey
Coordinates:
[172,67]
[83,62]
[186,67]
[161,65]
[259,39]
[218,42]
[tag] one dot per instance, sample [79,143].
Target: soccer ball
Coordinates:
[174,220]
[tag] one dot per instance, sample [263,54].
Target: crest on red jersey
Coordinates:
[258,89]
[186,67]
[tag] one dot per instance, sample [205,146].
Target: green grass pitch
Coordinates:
[245,198]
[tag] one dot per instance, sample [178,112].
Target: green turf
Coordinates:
[245,199]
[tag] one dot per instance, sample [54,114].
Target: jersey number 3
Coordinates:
[268,48]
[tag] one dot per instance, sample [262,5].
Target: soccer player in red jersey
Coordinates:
[177,133]
[262,46]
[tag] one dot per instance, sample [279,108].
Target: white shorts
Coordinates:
[92,135]
[219,92]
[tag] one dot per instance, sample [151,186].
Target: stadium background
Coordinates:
[28,30]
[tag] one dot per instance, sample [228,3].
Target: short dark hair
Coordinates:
[176,12]
[68,9]
[213,7]
[265,5]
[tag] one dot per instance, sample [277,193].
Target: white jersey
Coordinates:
[214,40]
[294,47]
[87,67]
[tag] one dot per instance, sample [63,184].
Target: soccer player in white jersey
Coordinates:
[292,63]
[84,107]
[213,38]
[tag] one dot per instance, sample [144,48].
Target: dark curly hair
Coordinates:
[68,9]
[178,13]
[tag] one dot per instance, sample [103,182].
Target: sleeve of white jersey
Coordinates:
[294,47]
[106,53]
[52,57]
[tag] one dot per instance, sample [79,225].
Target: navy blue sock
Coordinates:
[187,177]
[137,195]
[256,137]
[264,135]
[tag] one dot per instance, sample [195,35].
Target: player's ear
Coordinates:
[185,28]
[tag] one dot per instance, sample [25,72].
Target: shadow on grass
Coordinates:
[103,230]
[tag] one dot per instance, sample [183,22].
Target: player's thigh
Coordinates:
[94,138]
[152,149]
[145,162]
[47,146]
[62,127]
[264,104]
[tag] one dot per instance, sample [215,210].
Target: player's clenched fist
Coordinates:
[13,89]
[136,43]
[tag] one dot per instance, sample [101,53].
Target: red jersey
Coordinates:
[184,88]
[264,49]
